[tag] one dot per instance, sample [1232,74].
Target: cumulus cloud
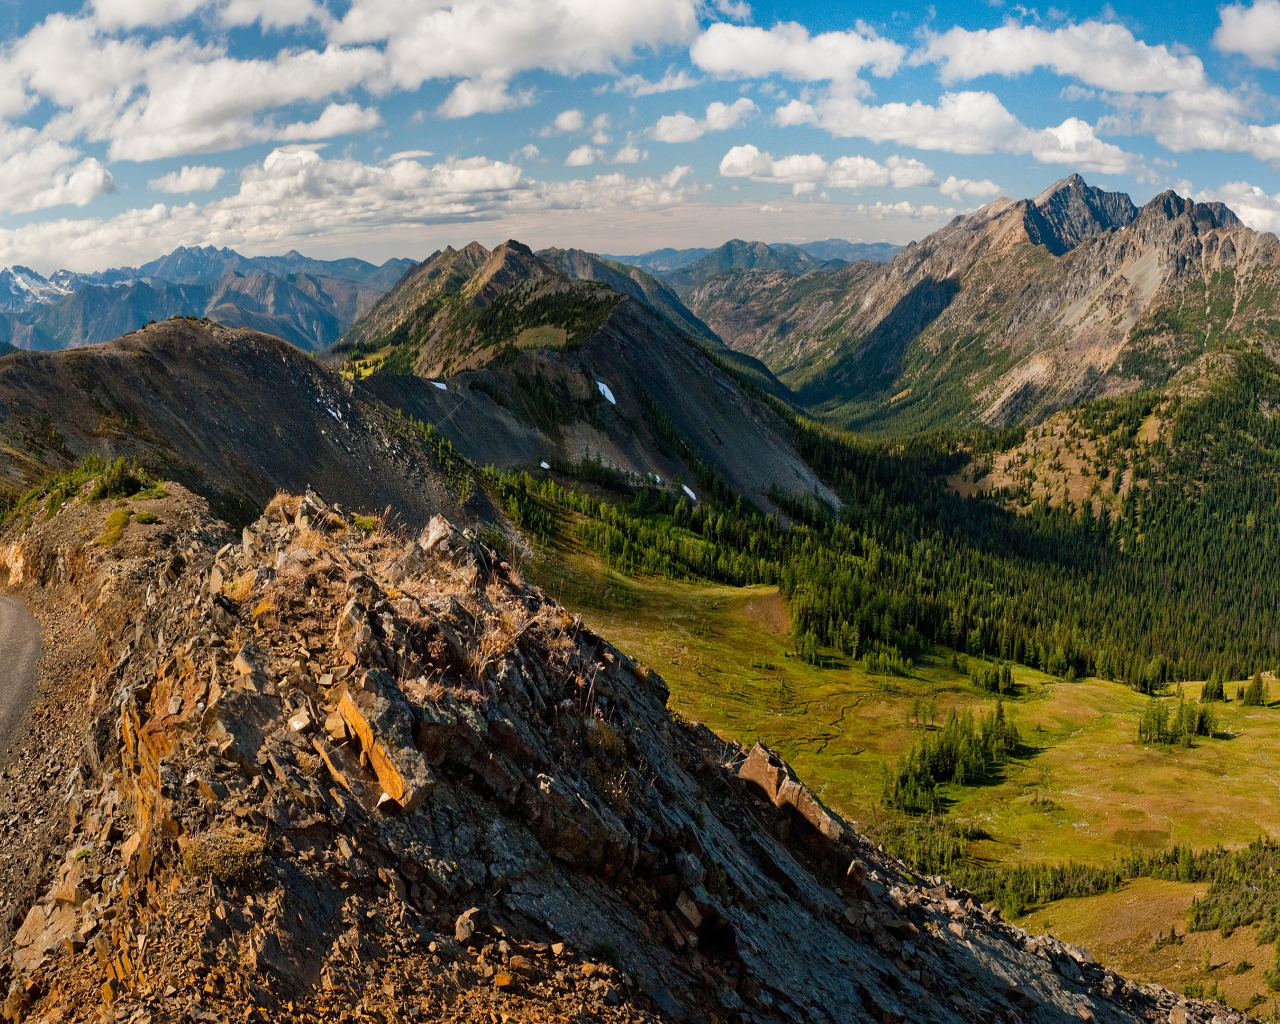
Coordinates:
[188,179]
[1102,54]
[296,195]
[966,188]
[583,156]
[482,96]
[808,172]
[789,50]
[567,121]
[1252,31]
[638,85]
[336,119]
[274,14]
[1154,90]
[467,40]
[629,154]
[961,122]
[719,117]
[38,172]
[1259,209]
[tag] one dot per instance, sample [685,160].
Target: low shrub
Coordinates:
[229,853]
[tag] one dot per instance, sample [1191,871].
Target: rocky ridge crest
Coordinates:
[328,771]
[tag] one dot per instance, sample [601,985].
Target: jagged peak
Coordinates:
[1072,211]
[1169,206]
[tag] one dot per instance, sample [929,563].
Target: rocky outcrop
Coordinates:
[329,772]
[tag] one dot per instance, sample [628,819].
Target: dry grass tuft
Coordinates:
[229,853]
[241,588]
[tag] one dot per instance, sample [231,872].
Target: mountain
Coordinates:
[1010,312]
[665,261]
[308,302]
[22,288]
[234,415]
[737,255]
[850,252]
[658,261]
[350,767]
[629,280]
[538,366]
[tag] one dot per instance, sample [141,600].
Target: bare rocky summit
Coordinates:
[314,771]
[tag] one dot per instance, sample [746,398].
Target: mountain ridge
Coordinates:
[1007,313]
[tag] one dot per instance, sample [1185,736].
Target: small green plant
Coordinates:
[114,529]
[606,951]
[366,523]
[1243,967]
[146,518]
[228,853]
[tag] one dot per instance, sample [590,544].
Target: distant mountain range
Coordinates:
[665,261]
[308,302]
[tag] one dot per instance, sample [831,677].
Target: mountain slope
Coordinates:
[232,414]
[1010,312]
[737,255]
[384,772]
[627,280]
[541,367]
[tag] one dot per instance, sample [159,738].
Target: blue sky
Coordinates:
[392,127]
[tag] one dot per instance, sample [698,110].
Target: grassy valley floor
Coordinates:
[1082,789]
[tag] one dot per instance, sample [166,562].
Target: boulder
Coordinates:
[778,782]
[383,722]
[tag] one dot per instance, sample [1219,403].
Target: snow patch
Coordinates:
[441,385]
[545,465]
[604,390]
[685,487]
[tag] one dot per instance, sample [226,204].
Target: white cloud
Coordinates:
[638,85]
[470,39]
[1258,209]
[719,117]
[137,13]
[629,154]
[482,96]
[808,172]
[1101,54]
[337,119]
[274,14]
[293,197]
[787,49]
[961,122]
[38,172]
[964,188]
[568,121]
[529,151]
[583,156]
[271,13]
[1253,31]
[1154,90]
[416,154]
[189,179]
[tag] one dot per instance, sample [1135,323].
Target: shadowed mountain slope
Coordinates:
[233,414]
[532,366]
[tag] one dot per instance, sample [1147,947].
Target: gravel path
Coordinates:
[20,643]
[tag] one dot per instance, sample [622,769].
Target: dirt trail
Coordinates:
[20,643]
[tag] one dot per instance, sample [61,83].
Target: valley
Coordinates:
[976,535]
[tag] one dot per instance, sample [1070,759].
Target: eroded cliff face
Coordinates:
[310,770]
